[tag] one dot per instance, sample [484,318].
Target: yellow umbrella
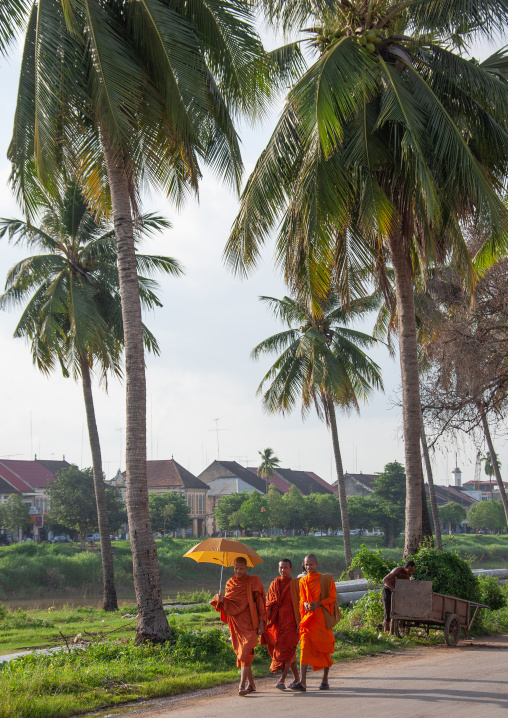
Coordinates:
[223,551]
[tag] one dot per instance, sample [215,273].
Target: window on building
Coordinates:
[190,502]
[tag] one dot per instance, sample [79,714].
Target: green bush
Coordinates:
[491,592]
[373,565]
[201,646]
[449,573]
[366,613]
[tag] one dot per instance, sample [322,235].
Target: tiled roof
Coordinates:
[230,485]
[33,473]
[366,480]
[6,488]
[324,483]
[445,494]
[281,484]
[168,473]
[13,479]
[304,482]
[54,466]
[485,485]
[232,469]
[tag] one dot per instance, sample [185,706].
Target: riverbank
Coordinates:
[61,571]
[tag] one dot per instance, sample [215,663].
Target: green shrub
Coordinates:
[20,619]
[449,573]
[366,613]
[491,592]
[373,565]
[201,646]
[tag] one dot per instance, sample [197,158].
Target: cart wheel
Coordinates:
[452,630]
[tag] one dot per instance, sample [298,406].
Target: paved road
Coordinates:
[438,682]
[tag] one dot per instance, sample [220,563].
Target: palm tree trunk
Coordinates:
[411,410]
[432,491]
[426,524]
[341,486]
[109,601]
[493,459]
[152,624]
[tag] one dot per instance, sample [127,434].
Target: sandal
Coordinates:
[324,687]
[280,686]
[243,691]
[251,688]
[298,687]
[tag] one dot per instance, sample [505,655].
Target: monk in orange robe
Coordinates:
[317,642]
[242,607]
[283,617]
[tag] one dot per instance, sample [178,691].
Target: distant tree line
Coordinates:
[383,509]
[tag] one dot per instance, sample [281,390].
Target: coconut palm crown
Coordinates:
[390,143]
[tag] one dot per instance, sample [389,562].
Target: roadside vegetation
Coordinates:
[102,667]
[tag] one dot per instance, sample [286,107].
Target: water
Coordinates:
[43,603]
[29,604]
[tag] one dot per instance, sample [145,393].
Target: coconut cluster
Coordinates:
[370,39]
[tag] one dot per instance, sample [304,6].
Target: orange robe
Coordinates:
[282,611]
[243,615]
[317,642]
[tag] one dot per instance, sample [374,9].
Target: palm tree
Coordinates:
[323,362]
[387,147]
[488,466]
[72,315]
[129,93]
[268,466]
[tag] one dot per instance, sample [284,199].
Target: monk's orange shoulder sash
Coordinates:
[295,598]
[252,605]
[332,614]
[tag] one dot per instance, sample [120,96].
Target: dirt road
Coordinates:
[438,682]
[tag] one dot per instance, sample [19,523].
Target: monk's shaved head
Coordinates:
[310,563]
[286,560]
[241,560]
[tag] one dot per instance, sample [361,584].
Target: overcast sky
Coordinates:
[204,378]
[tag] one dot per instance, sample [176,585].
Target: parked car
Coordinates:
[92,537]
[61,539]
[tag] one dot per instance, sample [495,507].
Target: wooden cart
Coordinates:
[415,604]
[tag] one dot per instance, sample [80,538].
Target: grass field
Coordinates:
[61,570]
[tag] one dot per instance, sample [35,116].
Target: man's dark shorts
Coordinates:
[387,602]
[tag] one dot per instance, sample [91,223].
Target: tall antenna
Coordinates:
[217,435]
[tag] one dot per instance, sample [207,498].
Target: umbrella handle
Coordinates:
[221,570]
